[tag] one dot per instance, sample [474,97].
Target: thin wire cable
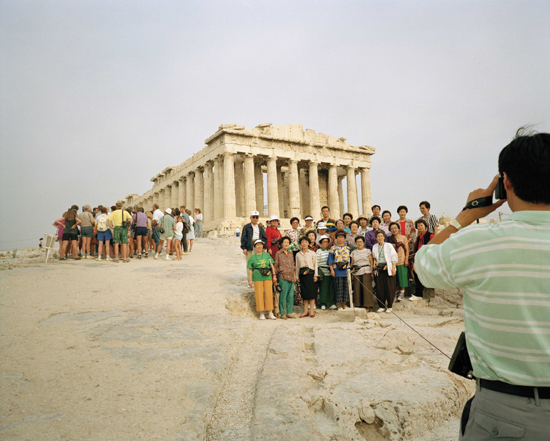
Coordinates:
[380,302]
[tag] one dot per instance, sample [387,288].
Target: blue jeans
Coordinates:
[198,229]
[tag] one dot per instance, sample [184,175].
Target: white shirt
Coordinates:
[389,253]
[157,214]
[179,229]
[255,232]
[198,217]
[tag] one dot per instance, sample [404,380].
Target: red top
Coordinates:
[272,233]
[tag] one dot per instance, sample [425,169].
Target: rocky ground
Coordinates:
[173,351]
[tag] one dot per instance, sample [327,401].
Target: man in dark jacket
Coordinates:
[251,232]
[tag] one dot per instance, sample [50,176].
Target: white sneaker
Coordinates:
[98,259]
[323,307]
[262,316]
[389,311]
[333,307]
[108,258]
[185,254]
[314,307]
[168,258]
[340,309]
[156,256]
[413,297]
[271,316]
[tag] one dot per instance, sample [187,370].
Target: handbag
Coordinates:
[341,265]
[125,223]
[161,229]
[306,271]
[264,271]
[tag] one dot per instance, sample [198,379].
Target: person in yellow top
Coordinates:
[116,220]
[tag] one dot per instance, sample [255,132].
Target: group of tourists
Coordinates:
[320,263]
[119,234]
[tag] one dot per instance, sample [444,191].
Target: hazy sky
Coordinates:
[98,96]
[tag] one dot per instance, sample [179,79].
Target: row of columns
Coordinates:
[226,188]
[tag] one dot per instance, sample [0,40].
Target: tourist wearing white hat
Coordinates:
[167,226]
[252,232]
[273,234]
[310,225]
[321,231]
[261,276]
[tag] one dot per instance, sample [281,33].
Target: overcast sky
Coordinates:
[98,96]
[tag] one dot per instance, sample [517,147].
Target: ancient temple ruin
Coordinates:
[225,179]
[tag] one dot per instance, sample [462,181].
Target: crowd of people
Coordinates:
[119,234]
[324,262]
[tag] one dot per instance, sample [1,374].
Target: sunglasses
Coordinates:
[255,217]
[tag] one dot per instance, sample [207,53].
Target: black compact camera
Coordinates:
[460,363]
[500,191]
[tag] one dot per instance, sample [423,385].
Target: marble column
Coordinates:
[272,188]
[218,211]
[365,192]
[280,192]
[353,206]
[341,196]
[239,188]
[161,199]
[167,196]
[190,190]
[304,192]
[259,181]
[333,192]
[294,188]
[314,197]
[286,179]
[249,185]
[181,192]
[199,192]
[156,198]
[229,186]
[207,207]
[175,191]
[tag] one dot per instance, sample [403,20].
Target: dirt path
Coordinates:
[234,409]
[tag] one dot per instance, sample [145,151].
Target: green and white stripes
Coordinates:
[504,270]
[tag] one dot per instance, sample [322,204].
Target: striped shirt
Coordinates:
[504,270]
[432,222]
[322,256]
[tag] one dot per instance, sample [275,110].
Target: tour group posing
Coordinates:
[315,264]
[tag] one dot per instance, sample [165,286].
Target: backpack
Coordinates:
[102,224]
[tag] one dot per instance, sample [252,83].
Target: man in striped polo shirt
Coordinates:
[504,271]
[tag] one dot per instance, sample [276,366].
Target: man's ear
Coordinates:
[507,183]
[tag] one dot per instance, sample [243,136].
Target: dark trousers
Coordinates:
[385,289]
[362,294]
[184,241]
[419,287]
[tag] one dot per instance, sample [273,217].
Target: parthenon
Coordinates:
[225,179]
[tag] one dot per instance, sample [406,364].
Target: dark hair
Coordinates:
[326,206]
[394,223]
[104,209]
[353,222]
[339,220]
[293,219]
[420,221]
[386,211]
[75,207]
[177,212]
[426,204]
[373,219]
[304,238]
[360,237]
[374,206]
[402,207]
[347,214]
[380,232]
[285,238]
[113,208]
[311,232]
[526,162]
